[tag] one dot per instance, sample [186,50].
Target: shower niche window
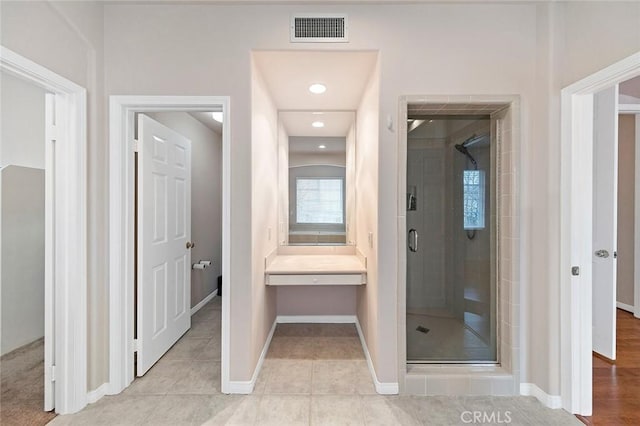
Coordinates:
[451,211]
[473,199]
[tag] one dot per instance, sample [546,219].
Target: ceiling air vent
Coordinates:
[319,28]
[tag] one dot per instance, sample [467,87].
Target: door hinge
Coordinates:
[575,271]
[136,145]
[135,345]
[53,373]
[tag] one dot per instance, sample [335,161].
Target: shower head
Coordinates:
[463,149]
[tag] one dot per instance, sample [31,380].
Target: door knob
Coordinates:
[602,253]
[190,245]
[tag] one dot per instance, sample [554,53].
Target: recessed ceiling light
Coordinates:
[317,124]
[317,113]
[322,146]
[217,116]
[317,88]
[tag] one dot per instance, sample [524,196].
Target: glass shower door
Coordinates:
[451,268]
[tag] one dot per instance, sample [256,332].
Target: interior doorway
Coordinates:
[178,201]
[157,216]
[484,302]
[579,288]
[44,224]
[451,233]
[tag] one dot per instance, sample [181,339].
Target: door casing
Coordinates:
[122,110]
[576,231]
[65,231]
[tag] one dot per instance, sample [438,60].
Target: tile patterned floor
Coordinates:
[313,375]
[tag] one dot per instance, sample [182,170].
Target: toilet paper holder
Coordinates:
[203,264]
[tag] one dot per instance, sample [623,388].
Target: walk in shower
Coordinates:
[451,240]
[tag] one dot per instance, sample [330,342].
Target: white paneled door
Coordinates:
[605,213]
[164,240]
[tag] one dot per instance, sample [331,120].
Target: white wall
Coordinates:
[206,198]
[22,123]
[626,207]
[22,231]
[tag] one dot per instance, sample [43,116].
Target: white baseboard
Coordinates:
[625,307]
[551,401]
[246,387]
[389,388]
[96,394]
[333,319]
[204,301]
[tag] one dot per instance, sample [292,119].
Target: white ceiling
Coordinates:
[336,123]
[206,119]
[288,76]
[309,145]
[631,87]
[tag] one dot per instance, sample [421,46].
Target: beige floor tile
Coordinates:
[217,409]
[244,414]
[202,377]
[278,410]
[343,410]
[334,377]
[384,411]
[132,410]
[338,348]
[178,410]
[211,351]
[293,347]
[187,349]
[289,377]
[160,379]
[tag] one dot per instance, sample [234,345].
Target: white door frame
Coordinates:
[576,200]
[634,109]
[66,230]
[122,111]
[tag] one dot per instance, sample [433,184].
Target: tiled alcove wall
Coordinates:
[502,379]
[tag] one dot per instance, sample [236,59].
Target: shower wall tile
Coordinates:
[480,386]
[503,386]
[415,385]
[436,385]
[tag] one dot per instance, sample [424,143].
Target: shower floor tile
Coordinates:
[447,339]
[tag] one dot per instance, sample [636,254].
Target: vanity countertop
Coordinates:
[316,264]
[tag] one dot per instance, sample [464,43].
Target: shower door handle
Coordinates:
[413,240]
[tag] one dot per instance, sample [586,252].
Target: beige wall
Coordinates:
[316,300]
[264,218]
[626,207]
[366,178]
[67,38]
[206,198]
[528,49]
